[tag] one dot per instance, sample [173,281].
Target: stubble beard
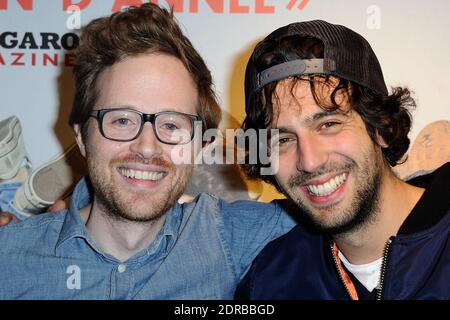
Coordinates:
[112,203]
[364,206]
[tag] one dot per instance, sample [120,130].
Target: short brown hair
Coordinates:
[145,29]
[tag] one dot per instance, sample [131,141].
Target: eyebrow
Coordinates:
[315,117]
[322,114]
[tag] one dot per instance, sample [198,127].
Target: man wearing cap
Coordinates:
[367,234]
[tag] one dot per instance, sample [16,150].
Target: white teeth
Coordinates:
[328,187]
[141,175]
[321,189]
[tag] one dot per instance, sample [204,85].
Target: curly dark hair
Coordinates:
[386,115]
[136,30]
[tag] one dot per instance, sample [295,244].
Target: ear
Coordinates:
[79,139]
[381,142]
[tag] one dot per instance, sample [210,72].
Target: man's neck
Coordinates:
[396,200]
[119,238]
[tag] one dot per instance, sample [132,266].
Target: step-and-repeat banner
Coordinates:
[410,37]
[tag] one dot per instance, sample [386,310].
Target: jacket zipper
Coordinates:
[339,272]
[383,268]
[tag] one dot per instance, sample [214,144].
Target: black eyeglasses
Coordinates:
[122,124]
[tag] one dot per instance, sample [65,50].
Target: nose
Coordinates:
[146,144]
[312,153]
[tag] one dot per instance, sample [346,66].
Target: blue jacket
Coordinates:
[416,264]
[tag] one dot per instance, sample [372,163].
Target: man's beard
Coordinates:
[363,207]
[110,198]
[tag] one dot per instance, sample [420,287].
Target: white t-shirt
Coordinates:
[368,274]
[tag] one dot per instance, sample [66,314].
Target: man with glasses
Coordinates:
[141,93]
[125,124]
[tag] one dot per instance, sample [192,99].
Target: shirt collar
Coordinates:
[74,227]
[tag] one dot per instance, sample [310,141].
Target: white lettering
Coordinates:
[74,20]
[374,19]
[74,280]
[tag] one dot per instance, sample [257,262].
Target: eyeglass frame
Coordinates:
[145,117]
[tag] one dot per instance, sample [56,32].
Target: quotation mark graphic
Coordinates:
[301,6]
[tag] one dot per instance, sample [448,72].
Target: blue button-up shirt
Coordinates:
[202,251]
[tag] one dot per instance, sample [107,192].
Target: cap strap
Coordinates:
[288,69]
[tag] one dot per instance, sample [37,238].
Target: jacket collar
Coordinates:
[434,203]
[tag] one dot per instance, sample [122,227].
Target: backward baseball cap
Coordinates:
[347,55]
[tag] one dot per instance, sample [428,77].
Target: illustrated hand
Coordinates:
[6,217]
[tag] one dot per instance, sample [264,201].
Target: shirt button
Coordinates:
[121,268]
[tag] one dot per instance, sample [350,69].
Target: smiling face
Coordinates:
[137,180]
[328,164]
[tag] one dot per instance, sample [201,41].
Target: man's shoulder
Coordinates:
[296,239]
[240,208]
[27,232]
[243,217]
[286,248]
[242,227]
